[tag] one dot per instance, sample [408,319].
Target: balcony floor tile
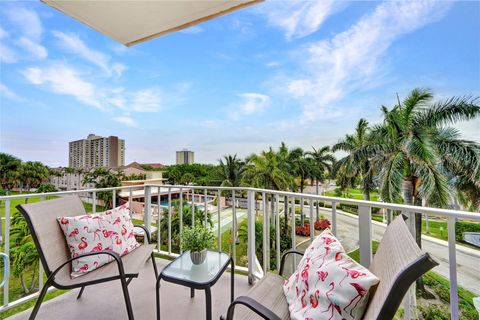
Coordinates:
[105,301]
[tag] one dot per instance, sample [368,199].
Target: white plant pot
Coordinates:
[198,257]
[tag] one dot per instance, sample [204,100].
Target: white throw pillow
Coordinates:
[111,230]
[328,284]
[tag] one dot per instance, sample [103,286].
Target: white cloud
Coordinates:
[7,54]
[251,103]
[27,21]
[63,79]
[254,102]
[5,91]
[38,51]
[147,100]
[299,18]
[354,59]
[3,33]
[26,34]
[73,44]
[125,120]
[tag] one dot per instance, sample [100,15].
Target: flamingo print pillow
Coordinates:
[327,283]
[110,230]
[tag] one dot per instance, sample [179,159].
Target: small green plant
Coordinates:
[197,238]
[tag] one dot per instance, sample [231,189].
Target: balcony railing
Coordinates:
[270,203]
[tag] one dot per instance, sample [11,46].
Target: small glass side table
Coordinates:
[201,277]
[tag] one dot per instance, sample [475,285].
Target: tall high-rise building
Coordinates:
[96,151]
[185,157]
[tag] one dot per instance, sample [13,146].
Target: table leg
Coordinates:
[192,292]
[157,294]
[208,299]
[232,274]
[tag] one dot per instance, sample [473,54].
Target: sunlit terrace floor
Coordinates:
[105,301]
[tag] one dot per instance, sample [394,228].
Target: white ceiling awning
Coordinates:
[131,22]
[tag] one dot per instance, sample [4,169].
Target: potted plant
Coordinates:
[197,239]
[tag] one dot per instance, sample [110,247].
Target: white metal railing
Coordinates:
[273,205]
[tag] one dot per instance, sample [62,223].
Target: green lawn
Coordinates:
[353,194]
[437,229]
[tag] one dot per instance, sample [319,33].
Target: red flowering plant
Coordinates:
[303,231]
[321,224]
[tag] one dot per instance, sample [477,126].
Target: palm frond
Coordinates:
[449,111]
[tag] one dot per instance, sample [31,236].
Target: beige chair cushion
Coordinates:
[43,216]
[268,292]
[132,263]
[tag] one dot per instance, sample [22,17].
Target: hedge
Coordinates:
[465,226]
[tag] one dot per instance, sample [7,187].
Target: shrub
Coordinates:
[465,226]
[303,231]
[322,224]
[433,312]
[197,238]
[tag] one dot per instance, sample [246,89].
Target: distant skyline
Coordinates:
[302,72]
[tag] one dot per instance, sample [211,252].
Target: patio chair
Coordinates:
[55,257]
[397,263]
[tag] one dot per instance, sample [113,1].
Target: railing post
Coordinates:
[6,248]
[130,202]
[365,235]
[205,209]
[180,212]
[265,230]
[277,228]
[452,261]
[193,206]
[251,234]
[41,272]
[312,222]
[294,235]
[234,226]
[147,215]
[169,219]
[334,218]
[219,234]
[94,202]
[159,221]
[114,198]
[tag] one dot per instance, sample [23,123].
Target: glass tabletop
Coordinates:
[182,268]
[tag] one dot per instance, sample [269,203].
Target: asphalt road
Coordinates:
[468,263]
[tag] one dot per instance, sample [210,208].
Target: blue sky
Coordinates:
[299,72]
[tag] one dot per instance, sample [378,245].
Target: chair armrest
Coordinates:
[147,232]
[284,256]
[115,256]
[253,305]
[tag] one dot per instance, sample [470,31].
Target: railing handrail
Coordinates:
[375,204]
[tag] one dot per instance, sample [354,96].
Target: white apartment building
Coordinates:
[96,151]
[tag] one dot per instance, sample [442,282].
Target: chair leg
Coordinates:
[80,293]
[39,301]
[127,298]
[154,265]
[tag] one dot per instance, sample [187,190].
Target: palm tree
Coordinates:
[231,170]
[355,163]
[264,171]
[9,171]
[323,162]
[32,174]
[414,149]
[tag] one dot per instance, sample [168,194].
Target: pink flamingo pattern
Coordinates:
[315,291]
[112,231]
